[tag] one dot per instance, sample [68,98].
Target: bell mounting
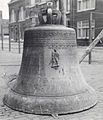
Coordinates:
[49,15]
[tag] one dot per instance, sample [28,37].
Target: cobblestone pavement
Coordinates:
[93,73]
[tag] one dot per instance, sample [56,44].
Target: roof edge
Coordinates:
[13,1]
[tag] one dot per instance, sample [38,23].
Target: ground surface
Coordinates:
[10,64]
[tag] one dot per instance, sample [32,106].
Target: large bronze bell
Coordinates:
[50,79]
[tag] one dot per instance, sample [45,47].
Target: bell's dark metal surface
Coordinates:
[50,79]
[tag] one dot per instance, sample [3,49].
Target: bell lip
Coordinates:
[61,113]
[11,98]
[50,27]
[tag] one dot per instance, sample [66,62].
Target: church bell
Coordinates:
[50,80]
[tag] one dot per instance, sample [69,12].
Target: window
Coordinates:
[13,16]
[32,2]
[21,13]
[86,4]
[79,6]
[79,28]
[92,2]
[67,5]
[83,5]
[83,29]
[58,5]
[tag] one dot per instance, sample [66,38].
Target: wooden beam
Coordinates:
[91,46]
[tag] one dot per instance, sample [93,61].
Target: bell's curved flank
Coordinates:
[50,80]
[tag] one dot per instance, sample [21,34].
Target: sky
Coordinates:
[4,8]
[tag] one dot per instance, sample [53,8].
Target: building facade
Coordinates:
[0,23]
[80,14]
[16,19]
[23,14]
[4,26]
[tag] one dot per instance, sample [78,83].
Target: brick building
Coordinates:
[23,13]
[79,16]
[16,19]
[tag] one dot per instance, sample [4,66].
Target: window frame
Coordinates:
[21,16]
[68,6]
[81,27]
[12,16]
[92,5]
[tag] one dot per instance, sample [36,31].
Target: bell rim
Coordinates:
[26,106]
